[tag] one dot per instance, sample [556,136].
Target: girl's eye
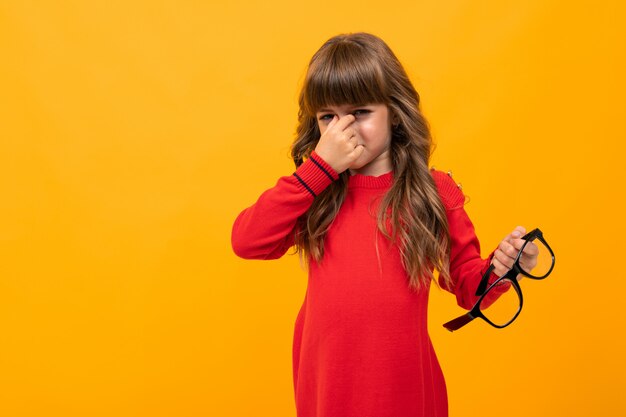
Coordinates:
[360,112]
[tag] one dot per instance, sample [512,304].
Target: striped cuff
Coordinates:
[314,175]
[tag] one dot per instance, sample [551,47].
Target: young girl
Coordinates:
[373,222]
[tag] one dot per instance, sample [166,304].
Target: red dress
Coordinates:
[361,346]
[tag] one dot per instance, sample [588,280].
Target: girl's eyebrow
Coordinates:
[350,107]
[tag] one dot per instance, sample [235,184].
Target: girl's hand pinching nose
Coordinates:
[338,145]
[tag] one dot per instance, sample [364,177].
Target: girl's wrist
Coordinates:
[327,160]
[324,165]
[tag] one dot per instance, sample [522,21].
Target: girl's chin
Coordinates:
[361,162]
[358,168]
[367,165]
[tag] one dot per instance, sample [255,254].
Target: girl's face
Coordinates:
[373,130]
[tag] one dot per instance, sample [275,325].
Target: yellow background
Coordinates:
[133,132]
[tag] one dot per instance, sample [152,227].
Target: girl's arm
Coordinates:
[266,229]
[466,265]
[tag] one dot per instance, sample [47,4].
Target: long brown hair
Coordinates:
[360,68]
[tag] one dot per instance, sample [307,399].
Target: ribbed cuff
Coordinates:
[314,175]
[492,277]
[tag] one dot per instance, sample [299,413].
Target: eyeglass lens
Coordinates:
[504,309]
[508,304]
[543,264]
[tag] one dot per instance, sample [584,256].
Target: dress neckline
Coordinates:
[370,181]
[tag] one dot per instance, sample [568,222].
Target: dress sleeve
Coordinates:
[466,265]
[266,229]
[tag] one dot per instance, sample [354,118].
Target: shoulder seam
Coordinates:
[450,192]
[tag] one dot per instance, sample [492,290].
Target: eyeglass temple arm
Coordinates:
[482,286]
[459,322]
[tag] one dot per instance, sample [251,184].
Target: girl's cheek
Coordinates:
[359,126]
[362,128]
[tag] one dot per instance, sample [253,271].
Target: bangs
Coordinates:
[344,73]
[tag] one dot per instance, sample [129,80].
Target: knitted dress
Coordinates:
[361,346]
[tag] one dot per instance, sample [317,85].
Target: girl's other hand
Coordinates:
[338,145]
[505,254]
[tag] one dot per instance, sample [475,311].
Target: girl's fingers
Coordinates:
[505,260]
[531,249]
[515,239]
[344,122]
[358,151]
[337,143]
[353,141]
[509,249]
[499,268]
[504,256]
[518,232]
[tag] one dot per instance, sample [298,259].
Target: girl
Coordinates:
[373,222]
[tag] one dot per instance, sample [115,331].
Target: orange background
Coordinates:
[132,133]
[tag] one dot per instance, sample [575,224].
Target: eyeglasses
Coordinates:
[499,306]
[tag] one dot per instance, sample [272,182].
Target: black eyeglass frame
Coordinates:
[511,276]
